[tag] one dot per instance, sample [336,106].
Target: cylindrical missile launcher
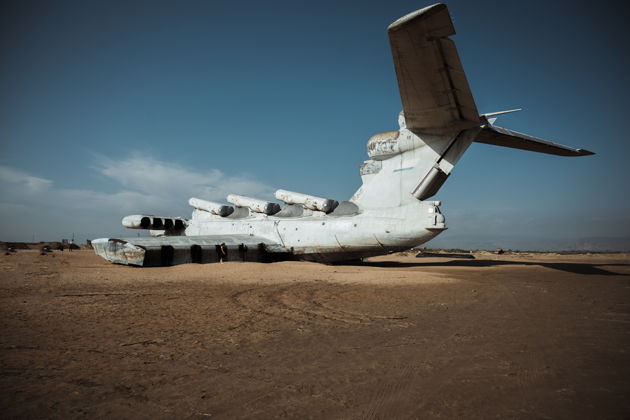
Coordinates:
[254,204]
[211,207]
[308,201]
[143,221]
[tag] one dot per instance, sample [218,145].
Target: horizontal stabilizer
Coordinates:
[498,136]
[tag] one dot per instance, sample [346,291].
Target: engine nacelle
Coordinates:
[211,207]
[310,202]
[254,204]
[143,221]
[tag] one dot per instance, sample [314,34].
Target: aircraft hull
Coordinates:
[265,238]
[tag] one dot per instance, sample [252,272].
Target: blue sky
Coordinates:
[112,108]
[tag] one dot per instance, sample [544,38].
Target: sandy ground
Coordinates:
[510,336]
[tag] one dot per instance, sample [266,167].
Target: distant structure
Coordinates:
[390,212]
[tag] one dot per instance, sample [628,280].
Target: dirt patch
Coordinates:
[399,337]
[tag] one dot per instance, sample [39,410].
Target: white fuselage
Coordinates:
[326,238]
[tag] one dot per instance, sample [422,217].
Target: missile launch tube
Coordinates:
[254,204]
[214,208]
[143,221]
[308,201]
[137,221]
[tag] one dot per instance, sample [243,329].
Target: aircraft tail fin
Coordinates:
[439,121]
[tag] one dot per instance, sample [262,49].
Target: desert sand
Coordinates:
[498,336]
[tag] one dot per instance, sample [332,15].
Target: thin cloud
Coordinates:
[168,180]
[36,205]
[19,180]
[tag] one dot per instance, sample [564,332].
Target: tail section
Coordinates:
[439,119]
[405,166]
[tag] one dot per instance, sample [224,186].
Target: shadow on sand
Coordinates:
[576,268]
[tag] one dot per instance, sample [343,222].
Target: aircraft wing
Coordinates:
[171,250]
[499,136]
[433,88]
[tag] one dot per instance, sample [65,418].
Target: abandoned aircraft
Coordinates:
[390,212]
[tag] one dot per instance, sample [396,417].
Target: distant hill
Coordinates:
[603,243]
[595,243]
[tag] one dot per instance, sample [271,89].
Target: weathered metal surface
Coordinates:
[430,184]
[370,167]
[164,251]
[291,210]
[119,251]
[310,202]
[383,145]
[187,241]
[431,80]
[211,207]
[346,208]
[254,204]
